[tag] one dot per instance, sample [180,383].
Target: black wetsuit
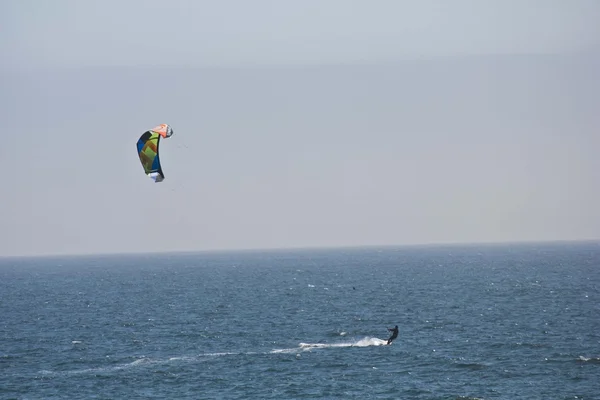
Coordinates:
[394,331]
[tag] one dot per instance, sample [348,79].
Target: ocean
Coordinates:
[505,321]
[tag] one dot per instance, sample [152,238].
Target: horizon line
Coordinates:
[305,248]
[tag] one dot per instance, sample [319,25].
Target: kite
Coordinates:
[147,147]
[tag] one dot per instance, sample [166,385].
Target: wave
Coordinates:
[593,360]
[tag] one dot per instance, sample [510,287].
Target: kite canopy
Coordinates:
[147,147]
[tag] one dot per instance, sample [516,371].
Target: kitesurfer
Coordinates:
[394,331]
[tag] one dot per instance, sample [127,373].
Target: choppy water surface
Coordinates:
[487,322]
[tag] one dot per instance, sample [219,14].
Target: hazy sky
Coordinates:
[298,123]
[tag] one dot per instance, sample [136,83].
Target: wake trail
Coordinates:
[365,342]
[147,361]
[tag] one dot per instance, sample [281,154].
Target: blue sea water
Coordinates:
[518,321]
